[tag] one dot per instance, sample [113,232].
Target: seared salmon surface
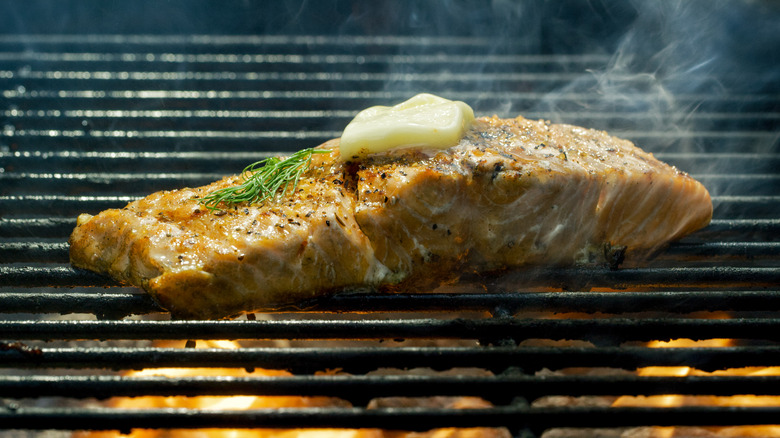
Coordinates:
[512,193]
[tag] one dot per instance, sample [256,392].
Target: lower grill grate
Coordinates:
[518,418]
[93,121]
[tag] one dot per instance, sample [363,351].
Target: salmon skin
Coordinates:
[512,193]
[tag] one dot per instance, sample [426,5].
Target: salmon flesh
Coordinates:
[512,193]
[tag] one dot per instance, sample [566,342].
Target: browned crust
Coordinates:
[514,192]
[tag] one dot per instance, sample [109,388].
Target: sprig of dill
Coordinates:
[263,179]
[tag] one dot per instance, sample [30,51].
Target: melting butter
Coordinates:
[424,120]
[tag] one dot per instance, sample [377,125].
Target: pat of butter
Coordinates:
[423,121]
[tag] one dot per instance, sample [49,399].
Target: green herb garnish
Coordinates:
[263,179]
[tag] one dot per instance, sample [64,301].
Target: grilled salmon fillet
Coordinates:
[513,192]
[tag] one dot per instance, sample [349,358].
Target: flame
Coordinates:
[673,400]
[264,402]
[260,402]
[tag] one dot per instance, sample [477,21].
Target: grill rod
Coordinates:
[119,303]
[565,278]
[500,389]
[599,330]
[367,359]
[516,417]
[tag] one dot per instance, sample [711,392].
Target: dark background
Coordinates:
[722,37]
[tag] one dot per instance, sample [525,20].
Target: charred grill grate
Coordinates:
[93,121]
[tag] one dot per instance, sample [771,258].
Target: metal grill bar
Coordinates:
[55,117]
[325,100]
[42,228]
[287,43]
[118,304]
[111,305]
[514,417]
[566,278]
[612,331]
[366,359]
[102,123]
[267,59]
[359,389]
[294,80]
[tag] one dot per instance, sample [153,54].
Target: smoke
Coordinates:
[675,57]
[656,72]
[693,81]
[657,66]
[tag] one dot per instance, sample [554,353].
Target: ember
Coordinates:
[232,403]
[21,348]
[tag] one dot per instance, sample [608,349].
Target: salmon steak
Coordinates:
[511,193]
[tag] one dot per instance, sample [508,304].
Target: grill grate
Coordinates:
[93,121]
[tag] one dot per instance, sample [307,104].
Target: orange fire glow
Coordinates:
[264,402]
[673,400]
[261,402]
